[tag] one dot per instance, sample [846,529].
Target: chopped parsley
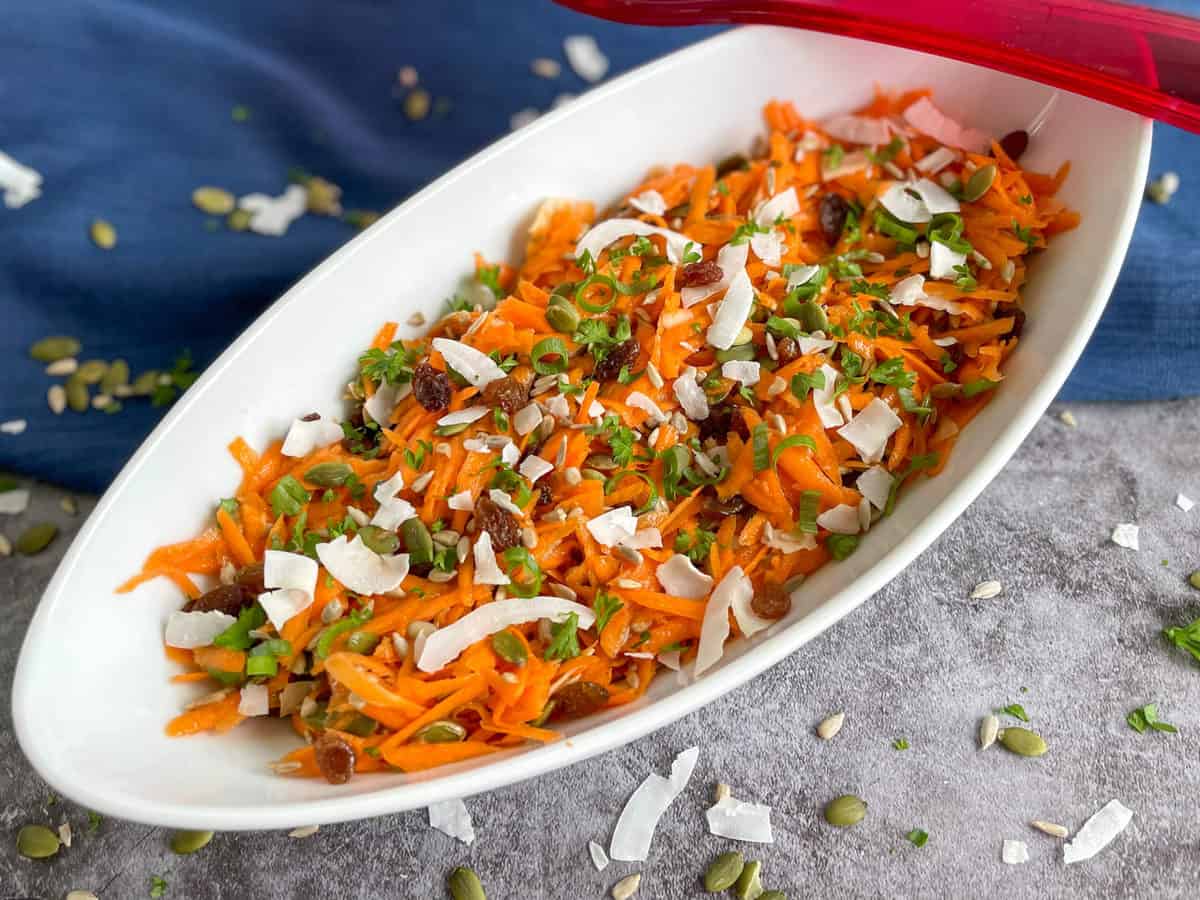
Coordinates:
[900,744]
[1186,638]
[394,365]
[605,606]
[489,277]
[743,233]
[833,157]
[1017,711]
[695,547]
[1024,234]
[918,837]
[564,639]
[158,886]
[596,336]
[94,820]
[1146,717]
[182,376]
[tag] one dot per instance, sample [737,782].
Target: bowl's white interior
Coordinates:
[92,691]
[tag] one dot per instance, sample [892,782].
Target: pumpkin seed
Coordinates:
[442,731]
[214,200]
[988,729]
[745,336]
[1022,741]
[464,885]
[37,842]
[363,642]
[1194,579]
[238,220]
[184,842]
[56,398]
[845,811]
[772,895]
[103,234]
[91,372]
[744,352]
[52,349]
[117,376]
[36,538]
[812,317]
[378,540]
[562,315]
[360,218]
[330,474]
[81,895]
[979,183]
[1049,828]
[627,887]
[69,505]
[145,383]
[509,647]
[324,197]
[450,430]
[417,103]
[749,884]
[6,547]
[723,872]
[831,726]
[417,541]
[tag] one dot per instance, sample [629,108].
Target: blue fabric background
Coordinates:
[125,107]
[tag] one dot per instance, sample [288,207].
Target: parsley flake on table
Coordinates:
[1017,711]
[1146,717]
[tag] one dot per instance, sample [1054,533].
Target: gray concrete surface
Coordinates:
[1074,637]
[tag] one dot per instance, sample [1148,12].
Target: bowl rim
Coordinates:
[505,769]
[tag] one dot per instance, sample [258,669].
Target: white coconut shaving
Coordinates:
[928,119]
[613,527]
[875,484]
[1126,535]
[464,416]
[635,827]
[381,404]
[254,701]
[189,630]
[745,371]
[903,203]
[393,511]
[731,259]
[282,604]
[714,630]
[934,162]
[599,857]
[527,418]
[650,202]
[585,57]
[290,571]
[942,261]
[450,817]
[1097,832]
[936,198]
[272,215]
[732,313]
[20,183]
[609,231]
[638,400]
[840,519]
[691,397]
[360,568]
[1184,503]
[1014,852]
[558,407]
[769,247]
[739,820]
[910,291]
[534,467]
[646,539]
[504,501]
[870,430]
[680,578]
[849,164]
[785,204]
[858,129]
[823,398]
[814,343]
[14,502]
[487,570]
[476,367]
[461,502]
[305,437]
[788,543]
[801,275]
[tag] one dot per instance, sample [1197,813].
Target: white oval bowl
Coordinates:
[92,693]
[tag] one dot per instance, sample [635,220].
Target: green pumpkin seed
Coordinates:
[442,731]
[361,218]
[184,842]
[363,642]
[417,542]
[813,318]
[52,349]
[36,538]
[749,883]
[723,872]
[979,182]
[103,234]
[358,725]
[145,383]
[378,540]
[417,103]
[845,811]
[744,352]
[324,197]
[562,315]
[509,647]
[92,371]
[37,842]
[772,895]
[214,200]
[77,394]
[450,430]
[238,220]
[330,474]
[117,376]
[1194,579]
[464,885]
[1022,741]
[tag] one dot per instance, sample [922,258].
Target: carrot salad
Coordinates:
[619,455]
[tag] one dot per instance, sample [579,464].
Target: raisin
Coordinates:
[335,758]
[833,212]
[735,163]
[431,387]
[226,598]
[1014,144]
[507,393]
[579,699]
[787,350]
[738,424]
[311,417]
[772,602]
[1005,310]
[717,424]
[250,580]
[623,354]
[731,507]
[699,273]
[500,524]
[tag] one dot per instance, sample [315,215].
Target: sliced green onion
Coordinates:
[261,665]
[762,448]
[237,635]
[807,513]
[616,477]
[795,440]
[973,388]
[272,647]
[614,287]
[330,634]
[886,223]
[549,347]
[841,545]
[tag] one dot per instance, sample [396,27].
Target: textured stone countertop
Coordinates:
[1074,637]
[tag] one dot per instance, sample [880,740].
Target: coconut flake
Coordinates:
[272,215]
[731,259]
[1126,536]
[610,230]
[942,261]
[382,403]
[875,484]
[1097,832]
[189,630]
[1184,503]
[745,371]
[870,429]
[823,400]
[558,407]
[527,418]
[691,397]
[614,526]
[487,570]
[534,467]
[814,343]
[635,827]
[646,539]
[715,627]
[785,204]
[768,248]
[732,314]
[19,182]
[14,502]
[596,410]
[935,197]
[740,821]
[254,701]
[801,275]
[585,57]
[1014,852]
[858,129]
[651,202]
[638,400]
[305,437]
[464,416]
[680,578]
[478,368]
[360,568]
[928,119]
[510,453]
[282,604]
[934,162]
[444,645]
[462,501]
[599,857]
[910,291]
[900,201]
[450,817]
[290,571]
[789,543]
[841,519]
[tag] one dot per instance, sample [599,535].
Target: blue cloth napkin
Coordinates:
[126,107]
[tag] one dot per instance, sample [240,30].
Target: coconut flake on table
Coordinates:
[1126,535]
[732,313]
[731,259]
[14,502]
[714,629]
[19,182]
[814,343]
[646,539]
[585,57]
[613,527]
[272,215]
[934,162]
[1184,503]
[444,645]
[650,202]
[639,818]
[527,418]
[823,400]
[451,818]
[534,467]
[875,484]
[599,857]
[910,291]
[785,204]
[462,501]
[381,404]
[929,120]
[254,701]
[745,371]
[360,568]
[691,397]
[609,231]
[858,129]
[870,429]
[942,261]
[840,519]
[740,820]
[907,206]
[188,630]
[680,578]
[305,437]
[464,416]
[293,571]
[477,368]
[487,570]
[1014,852]
[638,400]
[1097,832]
[768,247]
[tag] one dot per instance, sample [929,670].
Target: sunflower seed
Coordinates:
[64,833]
[988,729]
[69,506]
[422,481]
[986,590]
[440,577]
[6,547]
[63,366]
[722,792]
[626,887]
[561,590]
[416,320]
[1068,419]
[100,401]
[571,474]
[545,68]
[627,584]
[652,373]
[81,895]
[831,726]
[284,768]
[629,554]
[1049,828]
[303,832]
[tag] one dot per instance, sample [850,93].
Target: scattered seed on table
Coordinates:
[988,729]
[92,371]
[14,426]
[63,366]
[360,218]
[185,842]
[722,873]
[103,234]
[36,538]
[416,104]
[324,197]
[986,590]
[81,895]
[626,887]
[845,811]
[240,113]
[101,401]
[1049,828]
[303,831]
[52,349]
[6,547]
[407,76]
[56,398]
[546,68]
[831,726]
[464,884]
[68,505]
[238,220]
[1068,419]
[1022,741]
[37,842]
